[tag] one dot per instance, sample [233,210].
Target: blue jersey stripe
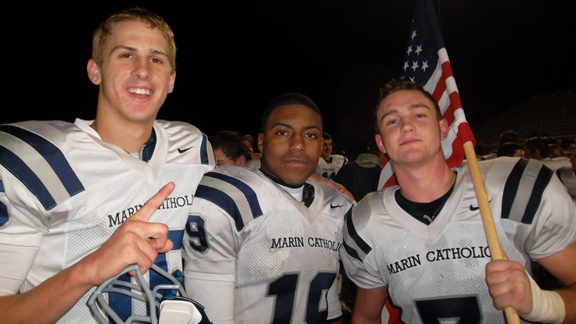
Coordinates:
[222,200]
[3,209]
[22,172]
[542,181]
[176,237]
[3,214]
[351,252]
[511,187]
[53,156]
[354,235]
[251,196]
[204,159]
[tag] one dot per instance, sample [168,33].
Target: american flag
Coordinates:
[426,61]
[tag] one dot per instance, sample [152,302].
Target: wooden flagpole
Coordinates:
[487,219]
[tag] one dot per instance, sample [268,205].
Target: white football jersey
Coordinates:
[283,255]
[438,270]
[329,170]
[65,191]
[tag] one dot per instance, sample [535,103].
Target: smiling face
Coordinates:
[326,149]
[291,143]
[409,129]
[135,75]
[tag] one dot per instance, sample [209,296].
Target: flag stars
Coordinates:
[409,50]
[418,49]
[415,66]
[424,66]
[413,35]
[406,65]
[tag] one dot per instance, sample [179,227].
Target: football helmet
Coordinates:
[165,303]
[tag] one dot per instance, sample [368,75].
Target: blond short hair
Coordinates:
[102,34]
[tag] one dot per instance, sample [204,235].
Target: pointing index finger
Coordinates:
[153,203]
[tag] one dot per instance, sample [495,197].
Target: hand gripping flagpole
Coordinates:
[487,219]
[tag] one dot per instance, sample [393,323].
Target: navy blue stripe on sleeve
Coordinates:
[542,181]
[222,200]
[3,209]
[22,172]
[204,159]
[511,187]
[52,155]
[244,188]
[354,235]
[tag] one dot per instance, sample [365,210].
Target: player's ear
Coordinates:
[172,81]
[443,128]
[261,142]
[93,72]
[380,144]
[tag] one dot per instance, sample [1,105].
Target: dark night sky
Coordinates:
[236,56]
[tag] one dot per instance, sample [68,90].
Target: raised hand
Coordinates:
[136,241]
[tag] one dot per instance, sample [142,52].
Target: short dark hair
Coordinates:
[538,143]
[396,85]
[508,149]
[287,99]
[326,136]
[509,136]
[231,143]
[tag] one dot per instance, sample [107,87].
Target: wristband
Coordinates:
[547,306]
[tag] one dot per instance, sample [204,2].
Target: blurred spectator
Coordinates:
[229,148]
[361,176]
[329,164]
[537,148]
[249,142]
[568,146]
[555,151]
[508,136]
[510,149]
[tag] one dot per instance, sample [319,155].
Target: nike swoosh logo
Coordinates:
[337,206]
[184,150]
[472,208]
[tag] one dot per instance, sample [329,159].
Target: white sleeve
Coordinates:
[215,292]
[210,246]
[356,262]
[554,228]
[210,240]
[15,262]
[20,237]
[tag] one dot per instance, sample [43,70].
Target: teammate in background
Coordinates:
[508,136]
[329,164]
[510,149]
[360,177]
[567,175]
[249,142]
[423,244]
[262,246]
[537,148]
[73,210]
[229,148]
